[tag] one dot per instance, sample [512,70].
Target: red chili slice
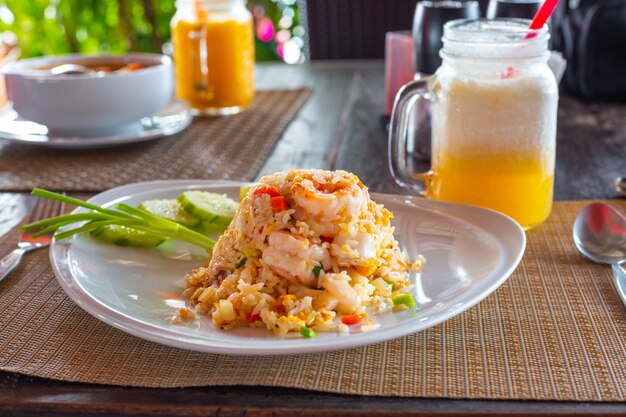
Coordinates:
[326,239]
[253,317]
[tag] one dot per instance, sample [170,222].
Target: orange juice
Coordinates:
[516,185]
[214,58]
[493,144]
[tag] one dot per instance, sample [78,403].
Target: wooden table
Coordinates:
[339,127]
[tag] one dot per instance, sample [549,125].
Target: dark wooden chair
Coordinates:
[353,29]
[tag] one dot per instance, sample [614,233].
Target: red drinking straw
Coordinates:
[541,17]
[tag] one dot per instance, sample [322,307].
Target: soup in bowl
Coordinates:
[115,92]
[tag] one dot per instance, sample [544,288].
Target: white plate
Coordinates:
[172,119]
[470,252]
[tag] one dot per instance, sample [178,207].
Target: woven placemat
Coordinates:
[233,147]
[556,330]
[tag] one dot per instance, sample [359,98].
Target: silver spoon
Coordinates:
[71,69]
[620,185]
[600,235]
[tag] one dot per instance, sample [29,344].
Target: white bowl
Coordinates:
[89,103]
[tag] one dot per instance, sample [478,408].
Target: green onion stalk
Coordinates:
[124,215]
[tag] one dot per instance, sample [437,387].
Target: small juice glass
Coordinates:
[214,55]
[494,111]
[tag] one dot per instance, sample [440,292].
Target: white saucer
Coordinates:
[172,119]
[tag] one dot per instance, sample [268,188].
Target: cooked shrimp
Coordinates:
[357,249]
[294,258]
[329,203]
[338,285]
[347,246]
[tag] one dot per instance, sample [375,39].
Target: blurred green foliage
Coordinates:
[52,27]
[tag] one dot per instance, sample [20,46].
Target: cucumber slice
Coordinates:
[210,229]
[243,191]
[171,210]
[209,207]
[127,236]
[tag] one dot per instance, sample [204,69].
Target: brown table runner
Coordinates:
[556,330]
[232,147]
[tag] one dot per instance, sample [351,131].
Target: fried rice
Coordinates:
[306,248]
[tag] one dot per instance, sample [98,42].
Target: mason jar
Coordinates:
[213,44]
[494,111]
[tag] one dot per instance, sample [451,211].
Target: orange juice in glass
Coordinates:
[214,55]
[494,108]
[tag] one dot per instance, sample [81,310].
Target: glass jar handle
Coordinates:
[199,61]
[398,132]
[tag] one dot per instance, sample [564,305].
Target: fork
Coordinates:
[43,209]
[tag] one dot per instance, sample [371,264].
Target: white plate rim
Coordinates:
[110,140]
[174,339]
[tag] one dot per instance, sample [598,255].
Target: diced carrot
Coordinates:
[351,319]
[266,189]
[278,204]
[253,317]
